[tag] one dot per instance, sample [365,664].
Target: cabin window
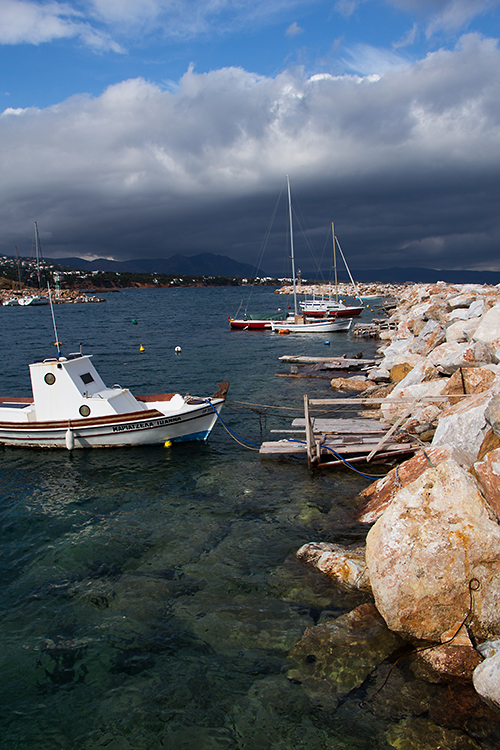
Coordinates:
[84,410]
[87,378]
[50,378]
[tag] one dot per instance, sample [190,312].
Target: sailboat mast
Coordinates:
[291,246]
[37,250]
[335,265]
[18,271]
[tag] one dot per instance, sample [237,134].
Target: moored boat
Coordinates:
[332,306]
[71,407]
[256,322]
[318,308]
[296,323]
[301,324]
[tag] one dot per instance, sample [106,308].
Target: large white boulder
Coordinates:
[435,539]
[488,329]
[449,357]
[465,426]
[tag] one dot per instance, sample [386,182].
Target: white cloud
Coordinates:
[33,23]
[294,29]
[409,154]
[408,39]
[445,15]
[367,60]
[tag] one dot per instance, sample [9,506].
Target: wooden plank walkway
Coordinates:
[328,441]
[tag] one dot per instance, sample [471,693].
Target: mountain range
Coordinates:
[209,264]
[203,264]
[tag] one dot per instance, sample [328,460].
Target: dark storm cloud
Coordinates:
[406,163]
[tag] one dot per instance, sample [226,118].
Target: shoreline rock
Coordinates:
[433,549]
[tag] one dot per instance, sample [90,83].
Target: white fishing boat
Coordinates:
[301,323]
[71,407]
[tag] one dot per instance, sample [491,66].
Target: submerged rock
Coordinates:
[345,565]
[332,659]
[423,734]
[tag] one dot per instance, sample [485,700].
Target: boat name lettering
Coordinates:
[143,425]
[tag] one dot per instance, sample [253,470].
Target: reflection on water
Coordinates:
[151,597]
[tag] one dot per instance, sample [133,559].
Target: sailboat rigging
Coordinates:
[301,323]
[35,299]
[317,308]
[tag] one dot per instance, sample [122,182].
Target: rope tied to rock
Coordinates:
[474,585]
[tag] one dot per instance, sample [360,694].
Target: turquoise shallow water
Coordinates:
[150,597]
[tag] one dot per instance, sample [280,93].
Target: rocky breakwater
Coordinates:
[432,555]
[63,296]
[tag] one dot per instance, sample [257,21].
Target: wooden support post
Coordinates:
[309,433]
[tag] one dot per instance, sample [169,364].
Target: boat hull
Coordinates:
[320,326]
[250,325]
[346,312]
[150,427]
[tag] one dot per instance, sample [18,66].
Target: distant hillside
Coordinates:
[208,264]
[420,275]
[204,264]
[428,275]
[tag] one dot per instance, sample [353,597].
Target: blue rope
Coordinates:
[229,430]
[341,458]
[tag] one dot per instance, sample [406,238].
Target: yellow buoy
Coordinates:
[142,349]
[168,443]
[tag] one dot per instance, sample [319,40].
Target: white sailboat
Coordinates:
[35,299]
[332,305]
[300,323]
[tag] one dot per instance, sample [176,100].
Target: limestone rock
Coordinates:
[461,330]
[356,383]
[486,680]
[492,414]
[449,357]
[376,497]
[434,538]
[415,392]
[429,337]
[464,426]
[488,329]
[470,380]
[456,657]
[400,371]
[488,475]
[345,565]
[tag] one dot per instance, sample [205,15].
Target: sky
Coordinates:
[146,128]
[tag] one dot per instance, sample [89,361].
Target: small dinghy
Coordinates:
[71,407]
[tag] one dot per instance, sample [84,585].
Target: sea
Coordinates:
[150,597]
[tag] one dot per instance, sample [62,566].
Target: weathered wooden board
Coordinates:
[344,426]
[334,361]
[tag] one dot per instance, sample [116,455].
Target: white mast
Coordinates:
[291,246]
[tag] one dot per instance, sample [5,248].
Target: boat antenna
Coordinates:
[57,342]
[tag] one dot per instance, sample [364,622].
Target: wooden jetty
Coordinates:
[329,442]
[323,367]
[372,329]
